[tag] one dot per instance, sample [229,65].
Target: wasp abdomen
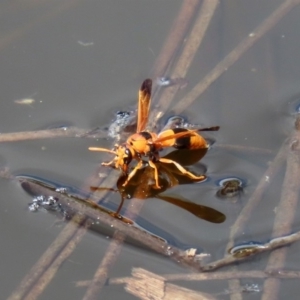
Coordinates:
[183,142]
[193,141]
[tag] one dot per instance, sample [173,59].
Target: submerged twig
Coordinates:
[87,133]
[145,284]
[252,250]
[45,134]
[226,275]
[190,49]
[28,286]
[70,236]
[175,37]
[173,43]
[257,195]
[235,54]
[285,212]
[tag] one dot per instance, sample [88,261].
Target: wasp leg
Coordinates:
[132,173]
[152,165]
[108,163]
[182,169]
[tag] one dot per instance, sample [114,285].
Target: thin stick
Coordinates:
[44,262]
[235,54]
[175,37]
[76,235]
[285,214]
[269,246]
[84,133]
[227,275]
[257,195]
[44,134]
[190,49]
[172,44]
[112,253]
[288,274]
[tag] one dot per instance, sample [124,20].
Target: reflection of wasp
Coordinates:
[145,143]
[139,189]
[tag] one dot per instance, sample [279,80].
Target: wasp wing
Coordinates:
[144,104]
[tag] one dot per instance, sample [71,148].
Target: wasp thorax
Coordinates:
[141,142]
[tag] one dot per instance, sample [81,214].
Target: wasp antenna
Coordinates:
[214,128]
[102,149]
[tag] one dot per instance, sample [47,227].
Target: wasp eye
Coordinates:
[128,157]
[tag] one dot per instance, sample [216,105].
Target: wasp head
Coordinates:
[123,156]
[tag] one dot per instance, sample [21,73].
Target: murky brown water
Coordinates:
[81,62]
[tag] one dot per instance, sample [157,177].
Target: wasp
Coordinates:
[145,143]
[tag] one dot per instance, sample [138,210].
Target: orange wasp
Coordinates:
[148,144]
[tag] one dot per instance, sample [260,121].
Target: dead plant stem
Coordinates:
[190,49]
[235,54]
[42,134]
[227,275]
[285,214]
